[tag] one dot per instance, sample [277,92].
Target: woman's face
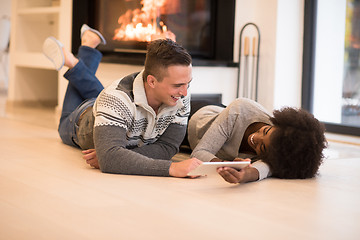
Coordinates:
[260,140]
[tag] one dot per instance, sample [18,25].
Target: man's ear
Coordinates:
[151,81]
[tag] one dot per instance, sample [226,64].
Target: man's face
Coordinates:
[174,84]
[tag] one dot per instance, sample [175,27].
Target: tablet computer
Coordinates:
[208,168]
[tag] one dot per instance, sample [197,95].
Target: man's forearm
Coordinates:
[115,158]
[167,145]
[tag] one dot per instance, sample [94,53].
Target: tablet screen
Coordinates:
[207,168]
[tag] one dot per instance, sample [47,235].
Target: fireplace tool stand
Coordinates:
[247,78]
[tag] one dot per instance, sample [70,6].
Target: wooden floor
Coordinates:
[48,192]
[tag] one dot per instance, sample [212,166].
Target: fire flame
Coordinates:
[143,25]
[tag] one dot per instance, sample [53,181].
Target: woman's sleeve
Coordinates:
[263,169]
[215,137]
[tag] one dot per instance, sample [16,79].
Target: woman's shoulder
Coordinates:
[244,102]
[243,105]
[209,110]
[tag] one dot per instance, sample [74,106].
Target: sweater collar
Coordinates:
[139,90]
[141,99]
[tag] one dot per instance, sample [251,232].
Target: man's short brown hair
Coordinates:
[163,53]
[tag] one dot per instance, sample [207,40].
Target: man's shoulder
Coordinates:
[126,85]
[121,88]
[127,82]
[119,92]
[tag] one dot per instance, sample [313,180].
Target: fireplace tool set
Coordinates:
[248,69]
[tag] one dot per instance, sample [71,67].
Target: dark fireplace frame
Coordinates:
[224,12]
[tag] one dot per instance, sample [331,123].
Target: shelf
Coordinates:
[39,10]
[32,60]
[37,3]
[32,77]
[32,30]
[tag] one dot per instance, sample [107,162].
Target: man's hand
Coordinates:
[181,169]
[231,175]
[91,157]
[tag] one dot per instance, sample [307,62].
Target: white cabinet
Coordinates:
[32,80]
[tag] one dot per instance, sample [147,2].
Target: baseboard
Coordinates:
[32,104]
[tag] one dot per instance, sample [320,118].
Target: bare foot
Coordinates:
[90,39]
[70,59]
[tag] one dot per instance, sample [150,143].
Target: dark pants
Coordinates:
[82,90]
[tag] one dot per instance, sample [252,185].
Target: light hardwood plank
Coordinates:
[48,192]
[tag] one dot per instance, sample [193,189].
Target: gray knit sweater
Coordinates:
[217,132]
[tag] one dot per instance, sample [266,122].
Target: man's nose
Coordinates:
[183,90]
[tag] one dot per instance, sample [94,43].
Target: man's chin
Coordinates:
[172,104]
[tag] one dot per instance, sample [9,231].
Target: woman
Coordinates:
[289,144]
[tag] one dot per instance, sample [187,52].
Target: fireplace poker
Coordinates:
[244,52]
[246,66]
[253,70]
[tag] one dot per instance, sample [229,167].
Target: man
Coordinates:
[139,121]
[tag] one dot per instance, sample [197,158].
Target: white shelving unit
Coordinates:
[32,80]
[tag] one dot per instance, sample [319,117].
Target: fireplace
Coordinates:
[204,27]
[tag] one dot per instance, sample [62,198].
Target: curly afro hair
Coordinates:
[297,144]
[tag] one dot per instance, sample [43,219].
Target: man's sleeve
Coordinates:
[115,158]
[167,145]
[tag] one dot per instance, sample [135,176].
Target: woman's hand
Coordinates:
[231,175]
[91,158]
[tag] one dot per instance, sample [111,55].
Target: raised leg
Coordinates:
[83,86]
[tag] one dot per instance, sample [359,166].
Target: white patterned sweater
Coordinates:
[129,137]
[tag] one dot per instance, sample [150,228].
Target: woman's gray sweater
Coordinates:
[215,132]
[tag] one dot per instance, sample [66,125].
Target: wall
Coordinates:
[280,23]
[280,68]
[5,7]
[205,79]
[329,63]
[288,55]
[263,14]
[5,10]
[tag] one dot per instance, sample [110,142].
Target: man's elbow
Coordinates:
[170,151]
[105,164]
[104,168]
